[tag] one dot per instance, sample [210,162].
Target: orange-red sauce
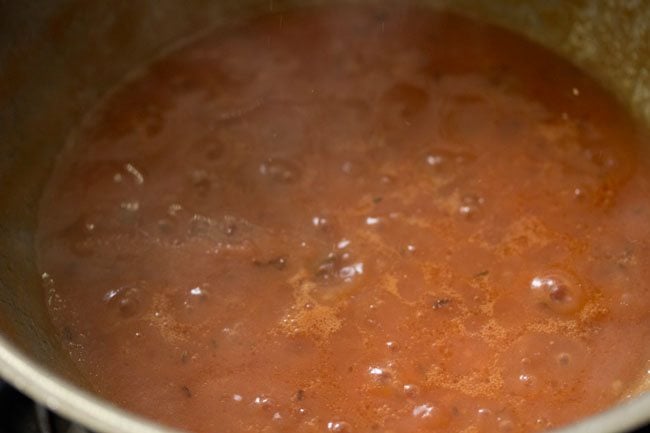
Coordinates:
[354,219]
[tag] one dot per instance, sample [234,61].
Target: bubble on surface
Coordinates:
[424,411]
[200,180]
[174,209]
[195,296]
[563,358]
[47,281]
[347,273]
[579,193]
[379,374]
[280,170]
[505,424]
[136,174]
[301,411]
[339,427]
[126,300]
[434,160]
[543,423]
[489,420]
[263,402]
[448,161]
[373,221]
[130,206]
[227,231]
[470,205]
[342,244]
[541,365]
[320,222]
[559,291]
[338,267]
[411,390]
[527,379]
[393,346]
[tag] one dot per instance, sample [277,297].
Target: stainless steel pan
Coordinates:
[57,57]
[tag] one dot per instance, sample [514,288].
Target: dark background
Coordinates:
[18,414]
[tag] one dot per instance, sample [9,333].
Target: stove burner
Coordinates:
[49,422]
[19,414]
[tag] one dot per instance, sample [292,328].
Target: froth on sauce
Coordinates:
[354,219]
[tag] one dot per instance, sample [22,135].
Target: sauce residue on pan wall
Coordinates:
[354,219]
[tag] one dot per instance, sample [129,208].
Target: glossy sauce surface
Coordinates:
[354,219]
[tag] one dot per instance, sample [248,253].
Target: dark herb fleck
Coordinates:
[377,200]
[300,395]
[481,274]
[278,263]
[186,391]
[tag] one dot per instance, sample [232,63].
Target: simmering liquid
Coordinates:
[354,219]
